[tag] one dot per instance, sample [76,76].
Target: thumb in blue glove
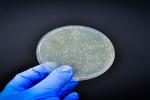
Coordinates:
[36,84]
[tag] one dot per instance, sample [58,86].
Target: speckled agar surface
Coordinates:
[87,50]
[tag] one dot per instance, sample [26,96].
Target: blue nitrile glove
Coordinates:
[37,84]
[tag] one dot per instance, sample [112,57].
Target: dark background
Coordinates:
[126,23]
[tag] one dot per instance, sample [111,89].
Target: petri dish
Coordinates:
[87,50]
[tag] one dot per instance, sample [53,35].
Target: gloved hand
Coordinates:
[37,84]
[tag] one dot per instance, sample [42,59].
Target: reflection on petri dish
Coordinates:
[87,50]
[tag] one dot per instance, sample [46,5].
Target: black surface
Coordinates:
[127,24]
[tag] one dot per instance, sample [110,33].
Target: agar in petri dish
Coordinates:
[87,50]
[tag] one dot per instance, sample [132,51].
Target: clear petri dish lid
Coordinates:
[87,50]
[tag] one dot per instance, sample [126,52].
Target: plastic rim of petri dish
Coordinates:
[58,40]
